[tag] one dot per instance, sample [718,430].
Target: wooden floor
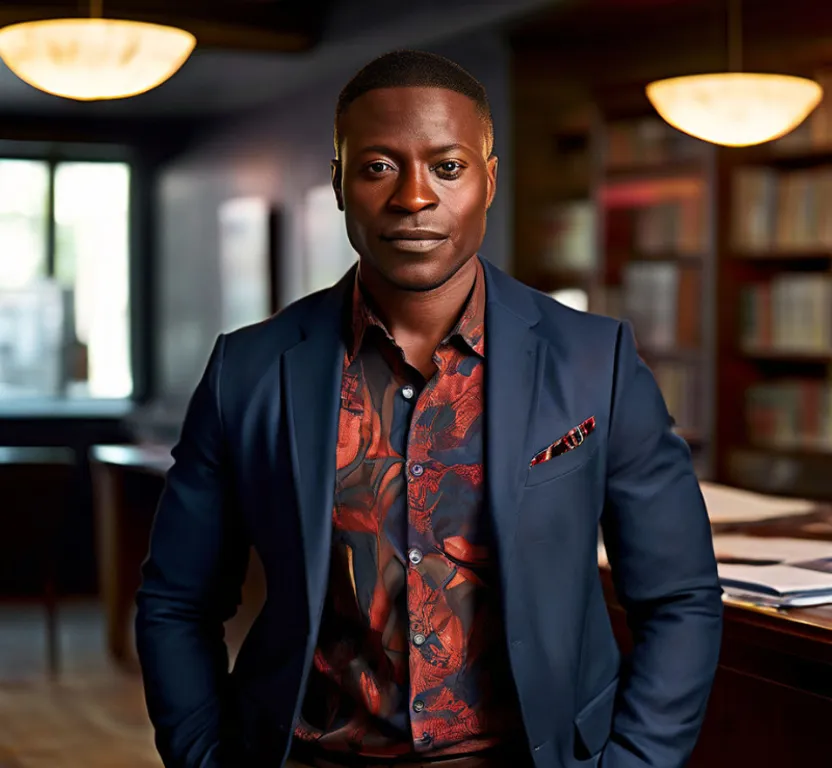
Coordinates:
[90,716]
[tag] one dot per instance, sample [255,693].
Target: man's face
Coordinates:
[414,180]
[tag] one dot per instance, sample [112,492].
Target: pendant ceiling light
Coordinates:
[93,58]
[735,108]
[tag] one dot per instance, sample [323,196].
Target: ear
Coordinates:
[491,178]
[337,178]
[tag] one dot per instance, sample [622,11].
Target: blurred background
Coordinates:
[134,230]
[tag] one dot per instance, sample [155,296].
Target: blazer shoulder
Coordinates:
[250,351]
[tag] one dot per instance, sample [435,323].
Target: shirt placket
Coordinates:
[422,473]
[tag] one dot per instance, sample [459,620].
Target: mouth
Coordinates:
[414,240]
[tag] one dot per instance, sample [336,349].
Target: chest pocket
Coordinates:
[558,466]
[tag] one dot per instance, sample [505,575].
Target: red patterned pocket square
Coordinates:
[571,440]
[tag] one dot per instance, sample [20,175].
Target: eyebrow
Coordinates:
[434,151]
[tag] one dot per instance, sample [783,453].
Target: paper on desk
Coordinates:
[761,548]
[732,594]
[778,580]
[733,505]
[738,547]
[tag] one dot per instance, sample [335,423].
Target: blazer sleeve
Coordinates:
[658,539]
[191,584]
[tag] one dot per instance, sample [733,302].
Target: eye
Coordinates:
[378,166]
[449,169]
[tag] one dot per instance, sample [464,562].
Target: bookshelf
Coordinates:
[625,232]
[652,193]
[721,258]
[775,360]
[612,214]
[554,212]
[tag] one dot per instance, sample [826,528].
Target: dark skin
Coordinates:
[415,179]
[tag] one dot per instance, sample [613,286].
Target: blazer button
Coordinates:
[418,705]
[415,556]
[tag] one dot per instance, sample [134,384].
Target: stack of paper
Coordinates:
[781,586]
[776,572]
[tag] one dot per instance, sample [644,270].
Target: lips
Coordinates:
[414,240]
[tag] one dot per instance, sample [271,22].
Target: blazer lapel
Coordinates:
[512,386]
[313,371]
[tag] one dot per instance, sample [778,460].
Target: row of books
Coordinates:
[569,236]
[792,313]
[663,302]
[782,211]
[681,387]
[647,141]
[790,414]
[676,226]
[569,232]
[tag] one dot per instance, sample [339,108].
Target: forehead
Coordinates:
[411,115]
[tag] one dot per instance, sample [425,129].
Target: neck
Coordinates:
[420,317]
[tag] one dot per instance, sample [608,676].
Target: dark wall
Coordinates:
[279,154]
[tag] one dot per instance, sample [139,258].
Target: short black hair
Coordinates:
[402,69]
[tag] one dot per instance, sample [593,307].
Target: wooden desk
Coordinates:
[771,703]
[772,698]
[36,485]
[127,483]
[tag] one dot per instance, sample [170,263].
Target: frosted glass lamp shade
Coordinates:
[93,59]
[735,109]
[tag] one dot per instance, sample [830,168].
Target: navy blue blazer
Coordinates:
[255,466]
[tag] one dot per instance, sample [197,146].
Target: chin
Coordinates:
[418,277]
[417,272]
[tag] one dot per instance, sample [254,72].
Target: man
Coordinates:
[421,456]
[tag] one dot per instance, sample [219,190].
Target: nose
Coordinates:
[413,192]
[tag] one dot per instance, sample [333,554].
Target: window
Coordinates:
[64,279]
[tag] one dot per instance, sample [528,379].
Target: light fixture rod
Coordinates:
[734,36]
[96,9]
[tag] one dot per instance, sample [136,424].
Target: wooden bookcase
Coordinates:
[653,192]
[614,215]
[721,259]
[774,361]
[554,248]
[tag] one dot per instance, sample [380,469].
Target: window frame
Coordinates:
[139,270]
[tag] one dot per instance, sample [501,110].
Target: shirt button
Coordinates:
[418,705]
[415,556]
[419,639]
[417,470]
[408,392]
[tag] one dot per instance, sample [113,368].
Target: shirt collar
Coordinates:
[470,327]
